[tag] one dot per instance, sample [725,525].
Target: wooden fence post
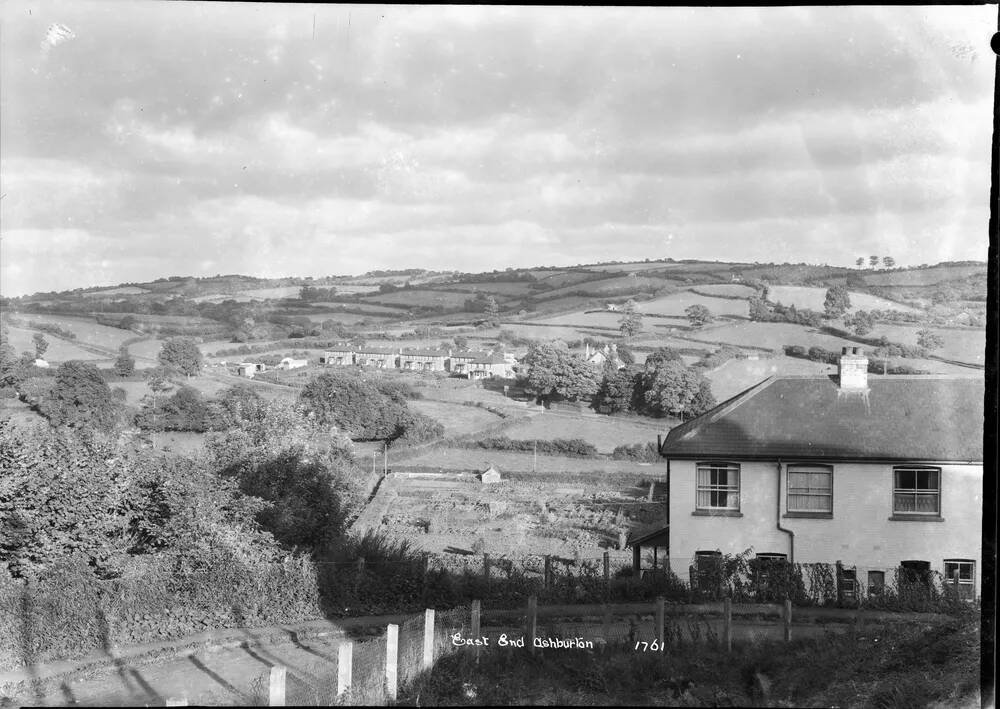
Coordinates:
[788,620]
[486,568]
[728,623]
[428,638]
[607,571]
[532,620]
[276,687]
[345,663]
[661,638]
[547,576]
[954,576]
[391,658]
[652,484]
[476,611]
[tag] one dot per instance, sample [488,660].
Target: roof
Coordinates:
[467,355]
[654,535]
[899,418]
[493,359]
[424,353]
[376,351]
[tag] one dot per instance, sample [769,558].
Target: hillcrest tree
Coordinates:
[182,354]
[631,323]
[837,301]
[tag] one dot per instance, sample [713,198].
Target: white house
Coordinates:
[879,473]
[249,369]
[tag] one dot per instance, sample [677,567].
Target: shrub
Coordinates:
[641,452]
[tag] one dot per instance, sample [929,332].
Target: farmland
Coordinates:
[676,303]
[736,375]
[59,350]
[86,330]
[415,298]
[812,298]
[614,286]
[962,344]
[604,432]
[456,418]
[466,459]
[771,335]
[924,276]
[514,518]
[727,290]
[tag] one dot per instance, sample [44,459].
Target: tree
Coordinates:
[128,322]
[837,301]
[888,261]
[125,363]
[492,311]
[873,260]
[861,322]
[554,372]
[661,356]
[353,405]
[758,310]
[670,388]
[929,340]
[617,392]
[699,315]
[80,398]
[182,354]
[461,342]
[860,262]
[630,324]
[704,399]
[41,344]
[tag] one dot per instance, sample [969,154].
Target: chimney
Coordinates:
[853,368]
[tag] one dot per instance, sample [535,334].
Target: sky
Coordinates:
[140,140]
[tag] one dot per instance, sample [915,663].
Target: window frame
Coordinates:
[807,468]
[876,588]
[915,491]
[959,563]
[711,489]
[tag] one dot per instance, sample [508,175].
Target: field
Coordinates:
[924,276]
[515,289]
[605,432]
[456,418]
[449,517]
[964,345]
[727,289]
[124,290]
[417,298]
[86,330]
[146,350]
[616,286]
[812,298]
[557,332]
[772,335]
[342,317]
[600,318]
[478,459]
[557,279]
[676,303]
[59,350]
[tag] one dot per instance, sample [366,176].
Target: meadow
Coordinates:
[676,303]
[478,459]
[86,330]
[771,335]
[604,432]
[737,375]
[457,419]
[615,286]
[923,276]
[961,344]
[59,350]
[415,298]
[727,290]
[813,298]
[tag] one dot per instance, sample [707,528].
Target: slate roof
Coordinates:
[424,353]
[901,418]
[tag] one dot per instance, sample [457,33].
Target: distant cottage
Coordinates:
[490,476]
[289,363]
[249,369]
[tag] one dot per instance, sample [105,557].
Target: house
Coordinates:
[342,355]
[39,362]
[289,363]
[489,366]
[458,362]
[490,476]
[879,473]
[249,369]
[612,307]
[375,357]
[598,357]
[423,360]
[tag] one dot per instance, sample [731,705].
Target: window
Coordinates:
[876,582]
[916,491]
[848,583]
[915,572]
[810,489]
[965,568]
[718,486]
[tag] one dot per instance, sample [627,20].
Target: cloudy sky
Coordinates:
[146,139]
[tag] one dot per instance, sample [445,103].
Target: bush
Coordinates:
[572,447]
[641,452]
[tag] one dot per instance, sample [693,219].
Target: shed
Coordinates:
[657,539]
[490,476]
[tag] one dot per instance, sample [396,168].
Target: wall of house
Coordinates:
[859,533]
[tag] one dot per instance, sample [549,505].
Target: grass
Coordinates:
[736,375]
[884,667]
[470,459]
[768,334]
[615,286]
[676,303]
[964,345]
[59,350]
[456,418]
[87,331]
[813,298]
[426,298]
[923,277]
[727,289]
[605,432]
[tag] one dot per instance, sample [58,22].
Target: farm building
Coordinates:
[882,473]
[490,476]
[423,360]
[39,362]
[249,369]
[375,357]
[338,356]
[490,366]
[289,363]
